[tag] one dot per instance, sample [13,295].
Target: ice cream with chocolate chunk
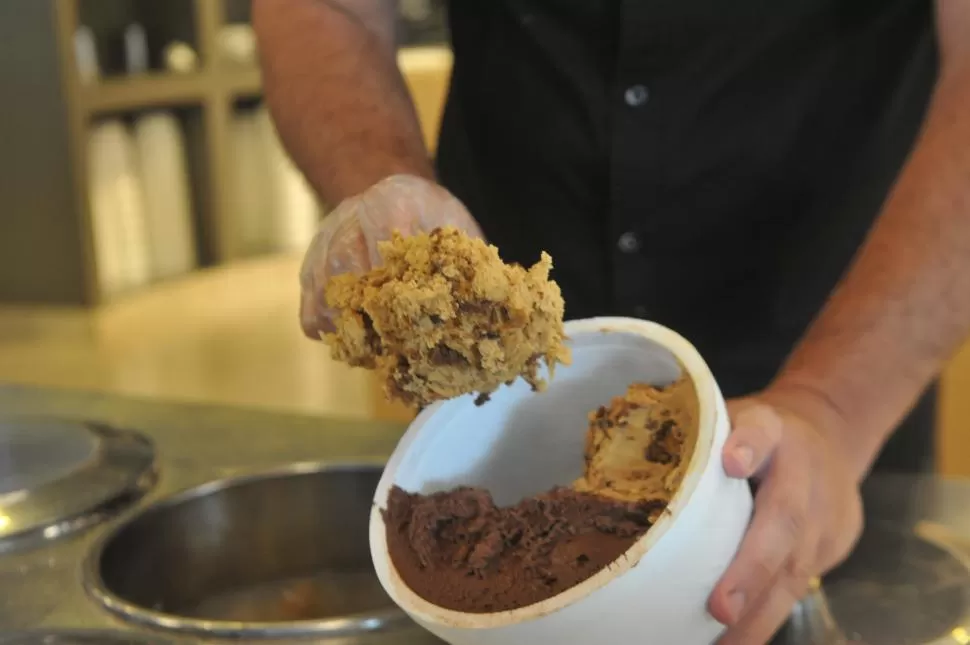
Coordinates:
[460,551]
[445,316]
[638,447]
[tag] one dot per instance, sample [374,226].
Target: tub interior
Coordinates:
[522,443]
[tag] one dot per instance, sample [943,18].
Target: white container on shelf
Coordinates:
[180,58]
[165,183]
[521,443]
[294,211]
[236,44]
[117,208]
[163,176]
[104,208]
[86,55]
[136,49]
[251,186]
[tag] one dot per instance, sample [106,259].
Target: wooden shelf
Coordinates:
[140,92]
[241,82]
[124,94]
[127,93]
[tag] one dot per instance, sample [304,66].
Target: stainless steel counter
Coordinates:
[908,578]
[195,444]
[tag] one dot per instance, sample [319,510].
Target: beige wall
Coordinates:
[953,451]
[427,71]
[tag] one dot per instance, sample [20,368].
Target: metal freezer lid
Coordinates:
[59,476]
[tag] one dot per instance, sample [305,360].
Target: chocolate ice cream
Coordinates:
[458,550]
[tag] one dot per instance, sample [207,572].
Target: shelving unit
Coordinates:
[157,90]
[46,240]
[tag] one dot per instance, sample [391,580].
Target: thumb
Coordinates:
[756,432]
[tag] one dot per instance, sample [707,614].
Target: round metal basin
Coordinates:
[283,553]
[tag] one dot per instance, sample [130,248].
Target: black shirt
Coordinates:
[712,166]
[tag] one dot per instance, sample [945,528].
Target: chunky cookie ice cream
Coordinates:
[445,316]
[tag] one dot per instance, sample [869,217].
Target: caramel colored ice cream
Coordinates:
[639,446]
[445,316]
[460,551]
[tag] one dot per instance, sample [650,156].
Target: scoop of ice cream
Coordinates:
[638,447]
[445,316]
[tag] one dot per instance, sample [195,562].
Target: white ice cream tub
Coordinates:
[522,443]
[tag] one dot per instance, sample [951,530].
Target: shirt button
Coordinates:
[636,95]
[640,311]
[629,242]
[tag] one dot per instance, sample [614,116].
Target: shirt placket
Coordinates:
[634,152]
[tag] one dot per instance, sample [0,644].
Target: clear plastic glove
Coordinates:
[347,239]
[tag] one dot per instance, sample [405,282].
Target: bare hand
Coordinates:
[807,517]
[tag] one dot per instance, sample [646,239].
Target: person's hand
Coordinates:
[807,511]
[347,239]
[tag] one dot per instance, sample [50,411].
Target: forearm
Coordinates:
[904,306]
[332,83]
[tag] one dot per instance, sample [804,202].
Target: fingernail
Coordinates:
[744,456]
[735,605]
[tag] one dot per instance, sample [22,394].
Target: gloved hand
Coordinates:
[347,238]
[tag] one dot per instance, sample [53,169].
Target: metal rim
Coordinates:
[87,636]
[121,472]
[330,627]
